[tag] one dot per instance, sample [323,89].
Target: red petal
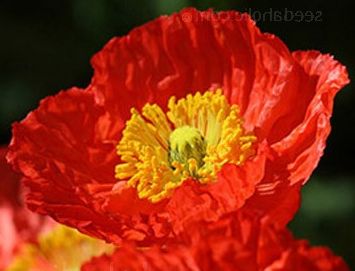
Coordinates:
[60,147]
[192,51]
[301,257]
[297,154]
[301,150]
[154,259]
[236,242]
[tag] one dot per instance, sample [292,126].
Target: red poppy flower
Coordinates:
[187,118]
[232,243]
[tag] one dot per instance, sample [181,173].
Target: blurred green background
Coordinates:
[46,46]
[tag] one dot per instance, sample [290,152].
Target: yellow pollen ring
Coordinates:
[194,139]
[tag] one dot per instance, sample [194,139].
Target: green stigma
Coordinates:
[186,143]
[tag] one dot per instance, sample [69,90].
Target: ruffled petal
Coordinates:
[302,257]
[295,155]
[236,242]
[194,51]
[142,221]
[301,150]
[60,148]
[154,259]
[276,202]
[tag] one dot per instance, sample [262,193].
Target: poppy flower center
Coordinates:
[187,147]
[193,139]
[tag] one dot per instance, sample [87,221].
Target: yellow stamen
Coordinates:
[194,139]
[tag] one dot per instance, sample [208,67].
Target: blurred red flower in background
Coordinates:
[258,114]
[18,224]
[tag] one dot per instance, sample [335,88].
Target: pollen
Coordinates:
[192,140]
